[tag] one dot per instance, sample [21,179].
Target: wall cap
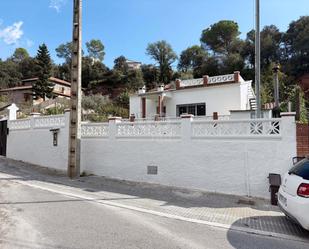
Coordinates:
[288,114]
[114,118]
[186,115]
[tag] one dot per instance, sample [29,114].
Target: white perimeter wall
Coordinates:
[235,165]
[219,156]
[31,141]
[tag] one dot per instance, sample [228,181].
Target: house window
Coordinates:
[194,109]
[201,110]
[181,109]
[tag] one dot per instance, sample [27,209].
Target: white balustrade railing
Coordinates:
[20,124]
[211,80]
[237,128]
[177,128]
[221,79]
[210,118]
[191,82]
[94,130]
[169,118]
[159,129]
[49,121]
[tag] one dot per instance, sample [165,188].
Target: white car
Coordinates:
[293,196]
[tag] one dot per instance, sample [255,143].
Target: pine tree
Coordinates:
[43,87]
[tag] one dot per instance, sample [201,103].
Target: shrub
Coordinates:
[123,99]
[94,102]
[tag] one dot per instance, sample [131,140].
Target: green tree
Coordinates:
[220,36]
[27,67]
[192,58]
[296,41]
[134,79]
[62,71]
[10,75]
[25,63]
[249,49]
[150,75]
[20,54]
[227,50]
[231,63]
[164,55]
[95,49]
[64,51]
[43,87]
[210,67]
[271,41]
[91,71]
[120,64]
[123,99]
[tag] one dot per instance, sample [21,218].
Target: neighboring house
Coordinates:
[200,97]
[23,93]
[134,65]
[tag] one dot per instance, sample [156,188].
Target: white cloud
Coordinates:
[57,4]
[11,34]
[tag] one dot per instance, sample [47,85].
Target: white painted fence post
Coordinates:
[186,120]
[12,111]
[288,133]
[33,116]
[112,129]
[288,124]
[67,113]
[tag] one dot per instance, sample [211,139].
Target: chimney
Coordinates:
[237,76]
[132,117]
[160,88]
[205,80]
[142,90]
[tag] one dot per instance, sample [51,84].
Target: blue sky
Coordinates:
[127,26]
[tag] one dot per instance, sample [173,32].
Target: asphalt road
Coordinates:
[35,218]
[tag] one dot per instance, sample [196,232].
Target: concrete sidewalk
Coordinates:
[231,212]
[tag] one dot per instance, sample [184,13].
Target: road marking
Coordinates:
[85,196]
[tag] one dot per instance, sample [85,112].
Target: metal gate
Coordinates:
[3,137]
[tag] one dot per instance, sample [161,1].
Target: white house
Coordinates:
[200,97]
[133,65]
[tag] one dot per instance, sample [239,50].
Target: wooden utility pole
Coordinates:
[75,115]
